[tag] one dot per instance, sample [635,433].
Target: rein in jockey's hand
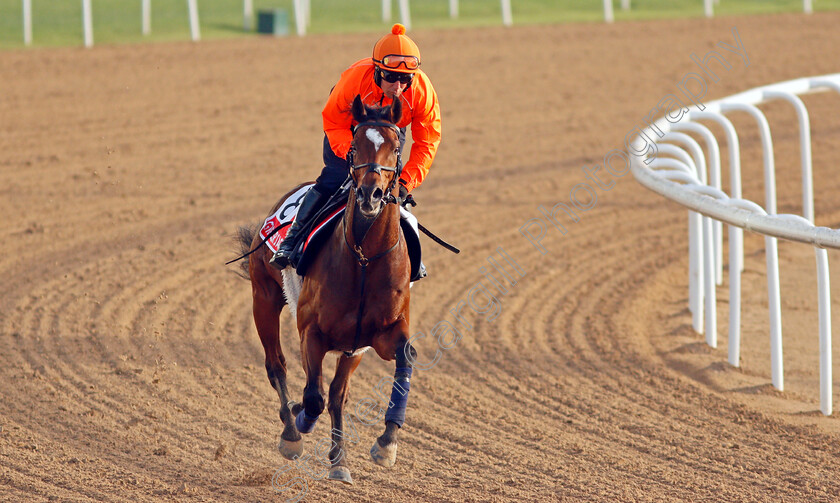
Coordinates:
[405,197]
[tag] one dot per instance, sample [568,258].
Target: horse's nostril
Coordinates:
[377,194]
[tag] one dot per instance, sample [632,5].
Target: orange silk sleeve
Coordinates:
[425,132]
[337,118]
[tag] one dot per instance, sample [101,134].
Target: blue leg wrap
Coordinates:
[399,396]
[304,422]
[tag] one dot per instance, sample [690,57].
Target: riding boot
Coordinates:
[309,206]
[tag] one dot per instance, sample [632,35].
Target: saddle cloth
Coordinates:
[322,230]
[282,218]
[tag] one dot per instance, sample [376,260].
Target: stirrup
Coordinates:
[421,273]
[279,261]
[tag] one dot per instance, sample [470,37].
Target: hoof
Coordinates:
[340,474]
[290,449]
[384,456]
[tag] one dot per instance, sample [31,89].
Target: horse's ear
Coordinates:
[359,112]
[396,110]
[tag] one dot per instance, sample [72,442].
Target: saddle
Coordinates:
[322,227]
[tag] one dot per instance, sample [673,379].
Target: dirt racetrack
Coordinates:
[129,364]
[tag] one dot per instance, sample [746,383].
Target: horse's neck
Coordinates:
[375,236]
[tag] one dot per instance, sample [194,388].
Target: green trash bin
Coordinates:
[273,22]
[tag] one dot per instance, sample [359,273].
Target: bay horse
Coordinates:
[354,296]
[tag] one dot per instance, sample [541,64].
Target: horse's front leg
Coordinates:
[338,397]
[312,354]
[384,450]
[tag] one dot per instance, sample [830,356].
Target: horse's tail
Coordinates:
[245,238]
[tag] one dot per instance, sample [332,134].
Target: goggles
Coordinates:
[403,78]
[395,60]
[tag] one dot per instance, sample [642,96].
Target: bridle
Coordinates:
[373,167]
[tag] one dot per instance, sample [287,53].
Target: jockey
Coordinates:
[392,73]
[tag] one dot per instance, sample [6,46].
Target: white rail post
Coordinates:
[825,330]
[248,15]
[771,243]
[695,243]
[804,149]
[735,266]
[824,303]
[736,234]
[507,17]
[625,4]
[195,31]
[87,23]
[386,11]
[453,9]
[807,6]
[714,181]
[767,150]
[27,22]
[300,17]
[146,14]
[707,7]
[707,272]
[608,11]
[734,170]
[405,14]
[775,303]
[709,280]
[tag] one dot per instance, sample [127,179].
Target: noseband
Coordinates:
[373,167]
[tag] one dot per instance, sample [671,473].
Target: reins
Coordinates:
[275,231]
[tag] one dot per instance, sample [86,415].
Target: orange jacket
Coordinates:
[420,109]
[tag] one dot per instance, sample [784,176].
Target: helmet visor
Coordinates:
[394,61]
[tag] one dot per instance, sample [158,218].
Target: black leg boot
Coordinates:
[309,206]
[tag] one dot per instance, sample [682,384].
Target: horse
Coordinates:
[354,296]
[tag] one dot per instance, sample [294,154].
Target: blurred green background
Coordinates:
[59,22]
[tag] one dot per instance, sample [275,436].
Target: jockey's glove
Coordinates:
[405,197]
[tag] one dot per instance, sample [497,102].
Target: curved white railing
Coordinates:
[682,177]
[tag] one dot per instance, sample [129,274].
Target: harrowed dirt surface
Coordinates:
[129,364]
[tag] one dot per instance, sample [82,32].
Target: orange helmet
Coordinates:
[396,52]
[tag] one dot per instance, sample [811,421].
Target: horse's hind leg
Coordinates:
[338,397]
[268,302]
[384,450]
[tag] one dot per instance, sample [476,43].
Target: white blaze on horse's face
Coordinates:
[375,137]
[373,182]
